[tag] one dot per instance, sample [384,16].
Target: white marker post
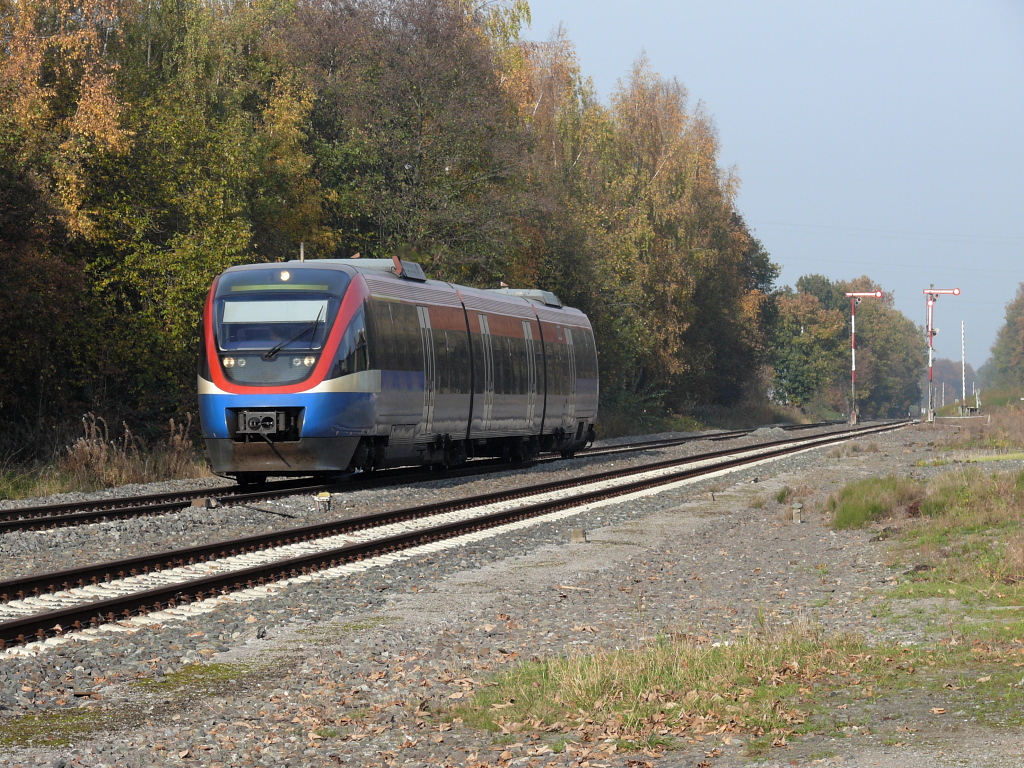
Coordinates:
[855,298]
[932,295]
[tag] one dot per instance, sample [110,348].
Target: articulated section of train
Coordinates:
[336,365]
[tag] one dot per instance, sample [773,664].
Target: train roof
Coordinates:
[413,272]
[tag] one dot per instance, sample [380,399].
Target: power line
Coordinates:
[994,239]
[905,268]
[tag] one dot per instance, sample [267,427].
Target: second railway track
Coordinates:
[50,516]
[49,604]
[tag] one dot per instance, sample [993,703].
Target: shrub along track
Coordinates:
[96,579]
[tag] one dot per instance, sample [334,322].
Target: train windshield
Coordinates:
[271,323]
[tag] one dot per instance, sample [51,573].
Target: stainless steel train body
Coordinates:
[322,367]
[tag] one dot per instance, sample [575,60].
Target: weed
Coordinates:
[783,494]
[673,687]
[843,450]
[96,459]
[865,501]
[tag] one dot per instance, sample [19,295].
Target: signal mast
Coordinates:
[855,297]
[932,295]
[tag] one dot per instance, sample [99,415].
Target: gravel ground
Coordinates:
[348,670]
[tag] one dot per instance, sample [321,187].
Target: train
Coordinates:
[324,367]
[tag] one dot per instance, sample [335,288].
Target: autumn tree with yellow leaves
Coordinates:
[145,145]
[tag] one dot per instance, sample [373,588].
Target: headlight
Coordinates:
[308,362]
[229,362]
[296,362]
[241,362]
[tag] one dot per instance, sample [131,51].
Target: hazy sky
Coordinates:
[879,138]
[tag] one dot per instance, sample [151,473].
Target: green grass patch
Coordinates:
[1016,456]
[201,678]
[783,494]
[767,684]
[55,728]
[866,501]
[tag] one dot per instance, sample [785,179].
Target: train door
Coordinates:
[429,370]
[531,375]
[485,336]
[571,350]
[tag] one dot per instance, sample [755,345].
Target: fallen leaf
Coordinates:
[984,679]
[938,710]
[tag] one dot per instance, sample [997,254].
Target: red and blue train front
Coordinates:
[284,385]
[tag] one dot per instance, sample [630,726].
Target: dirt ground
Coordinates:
[738,561]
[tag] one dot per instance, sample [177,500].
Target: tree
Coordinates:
[950,373]
[1006,362]
[890,349]
[415,142]
[808,348]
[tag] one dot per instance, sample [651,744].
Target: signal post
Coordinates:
[932,295]
[855,297]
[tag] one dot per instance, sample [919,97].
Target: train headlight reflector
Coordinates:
[229,362]
[308,361]
[296,362]
[241,362]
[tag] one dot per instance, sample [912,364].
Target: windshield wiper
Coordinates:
[271,353]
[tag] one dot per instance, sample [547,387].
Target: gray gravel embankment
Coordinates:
[347,671]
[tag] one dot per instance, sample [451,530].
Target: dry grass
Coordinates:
[679,686]
[96,460]
[1002,429]
[844,450]
[1013,558]
[965,525]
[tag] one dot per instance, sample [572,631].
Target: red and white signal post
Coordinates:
[855,298]
[933,295]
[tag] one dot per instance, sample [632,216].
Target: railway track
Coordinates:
[38,607]
[49,516]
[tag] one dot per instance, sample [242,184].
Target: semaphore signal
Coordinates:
[932,295]
[855,297]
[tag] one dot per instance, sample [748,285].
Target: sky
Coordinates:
[878,138]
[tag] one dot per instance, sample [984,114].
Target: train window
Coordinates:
[353,352]
[586,354]
[248,323]
[501,372]
[458,360]
[407,335]
[382,335]
[395,335]
[442,367]
[559,370]
[518,350]
[257,309]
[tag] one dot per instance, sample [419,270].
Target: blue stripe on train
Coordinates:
[327,414]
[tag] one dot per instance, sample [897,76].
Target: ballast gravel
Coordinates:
[356,669]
